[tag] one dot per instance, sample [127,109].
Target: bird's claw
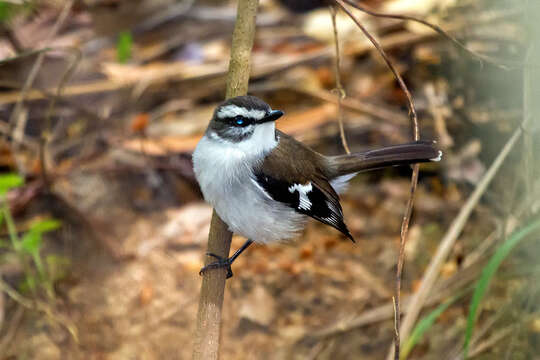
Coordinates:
[219,264]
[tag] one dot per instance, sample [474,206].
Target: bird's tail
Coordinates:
[416,152]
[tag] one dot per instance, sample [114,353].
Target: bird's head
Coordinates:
[244,119]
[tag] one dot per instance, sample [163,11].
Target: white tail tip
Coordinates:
[438,158]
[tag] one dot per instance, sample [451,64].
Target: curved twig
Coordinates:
[435,28]
[414,177]
[339,86]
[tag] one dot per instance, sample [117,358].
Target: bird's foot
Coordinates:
[219,264]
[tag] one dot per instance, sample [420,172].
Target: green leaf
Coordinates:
[31,242]
[8,9]
[44,226]
[124,46]
[9,181]
[424,325]
[5,11]
[487,274]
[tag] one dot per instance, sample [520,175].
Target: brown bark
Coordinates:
[208,333]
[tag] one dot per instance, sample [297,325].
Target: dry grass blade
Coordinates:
[443,290]
[432,272]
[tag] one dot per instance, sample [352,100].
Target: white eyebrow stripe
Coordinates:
[230,111]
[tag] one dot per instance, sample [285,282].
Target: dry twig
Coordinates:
[414,176]
[352,104]
[443,290]
[435,28]
[171,72]
[207,336]
[15,117]
[46,133]
[339,86]
[39,61]
[11,330]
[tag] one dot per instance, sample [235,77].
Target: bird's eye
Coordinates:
[239,120]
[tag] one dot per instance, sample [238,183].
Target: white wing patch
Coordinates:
[303,190]
[230,111]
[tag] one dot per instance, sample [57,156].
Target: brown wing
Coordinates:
[300,183]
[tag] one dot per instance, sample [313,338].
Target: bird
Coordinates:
[265,185]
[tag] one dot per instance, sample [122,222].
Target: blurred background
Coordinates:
[104,229]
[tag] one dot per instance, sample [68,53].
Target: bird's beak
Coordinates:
[273,116]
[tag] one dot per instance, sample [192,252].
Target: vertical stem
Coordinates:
[339,86]
[242,43]
[395,350]
[401,259]
[208,333]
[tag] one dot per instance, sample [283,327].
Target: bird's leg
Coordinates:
[225,263]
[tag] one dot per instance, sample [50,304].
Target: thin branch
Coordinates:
[412,109]
[401,258]
[352,104]
[46,133]
[207,335]
[209,73]
[442,291]
[434,27]
[339,86]
[43,307]
[11,330]
[414,179]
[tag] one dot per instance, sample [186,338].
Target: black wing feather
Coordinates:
[324,207]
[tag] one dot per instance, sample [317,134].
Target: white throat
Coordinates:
[263,139]
[261,142]
[216,159]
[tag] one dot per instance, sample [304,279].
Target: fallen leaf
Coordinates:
[258,306]
[146,294]
[306,252]
[139,123]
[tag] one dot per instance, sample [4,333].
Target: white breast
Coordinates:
[224,171]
